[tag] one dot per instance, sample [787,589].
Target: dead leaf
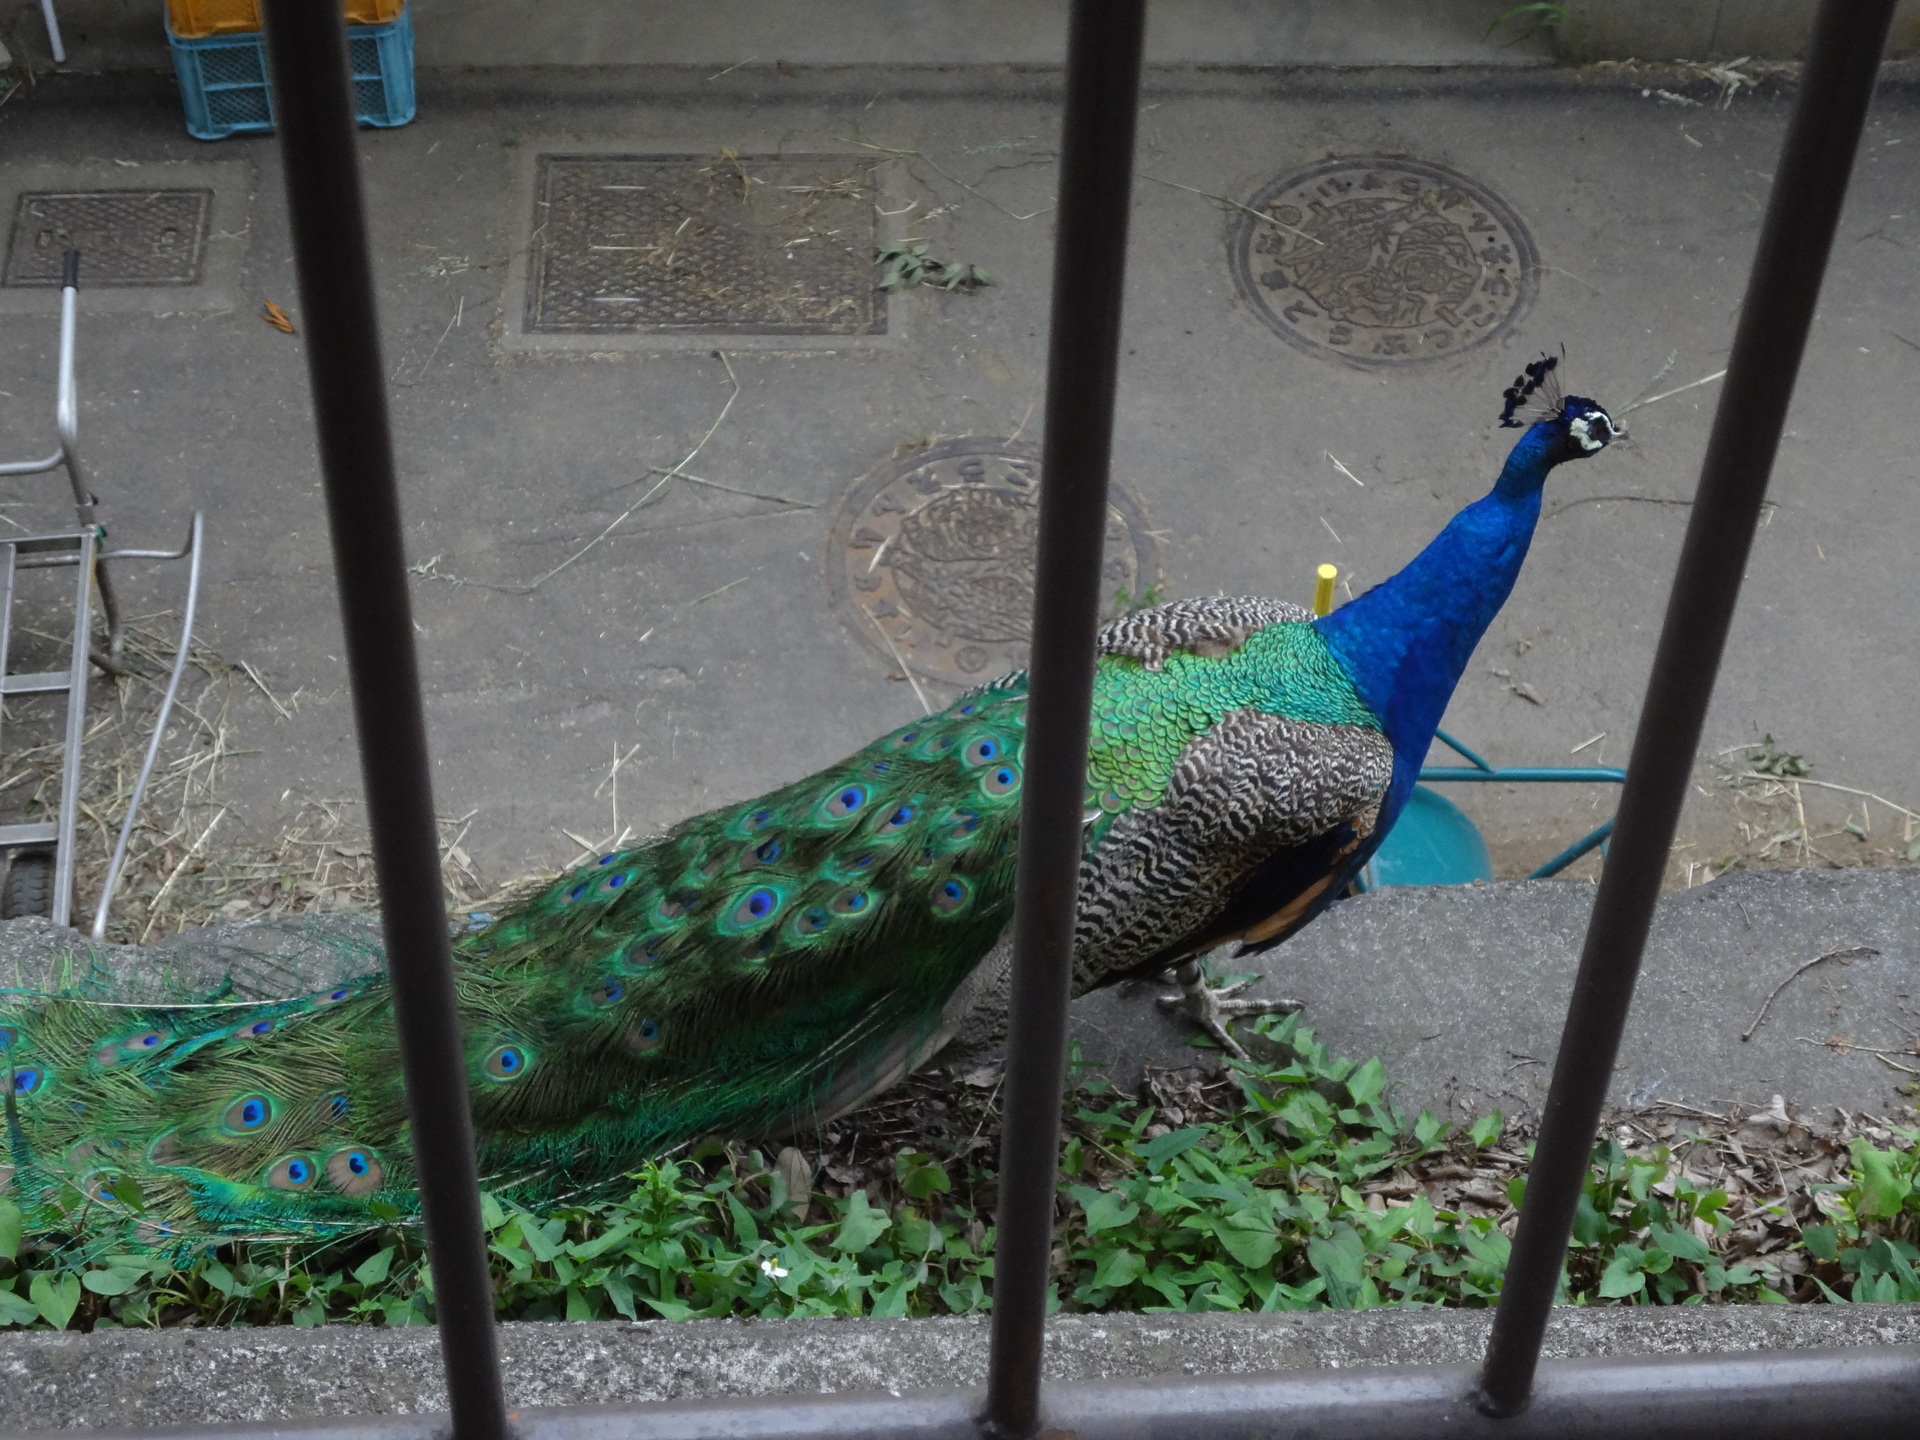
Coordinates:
[276,317]
[784,68]
[1839,1044]
[1526,692]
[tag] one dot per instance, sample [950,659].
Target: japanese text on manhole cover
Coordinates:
[736,245]
[1382,262]
[931,560]
[125,237]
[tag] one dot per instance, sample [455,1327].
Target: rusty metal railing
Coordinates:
[1791,1395]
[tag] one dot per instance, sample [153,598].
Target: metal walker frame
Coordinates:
[80,549]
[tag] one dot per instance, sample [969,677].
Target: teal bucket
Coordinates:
[1432,843]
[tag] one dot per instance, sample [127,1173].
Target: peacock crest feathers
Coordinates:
[1534,394]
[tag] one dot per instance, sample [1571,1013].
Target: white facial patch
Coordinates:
[1582,429]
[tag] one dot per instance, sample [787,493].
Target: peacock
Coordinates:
[770,964]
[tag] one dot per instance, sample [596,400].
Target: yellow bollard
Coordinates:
[1323,589]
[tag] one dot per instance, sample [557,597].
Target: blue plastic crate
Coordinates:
[225,90]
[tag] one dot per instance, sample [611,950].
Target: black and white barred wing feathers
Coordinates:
[1259,793]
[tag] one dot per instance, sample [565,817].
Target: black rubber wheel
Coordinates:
[28,889]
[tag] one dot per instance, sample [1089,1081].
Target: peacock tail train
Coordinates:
[725,978]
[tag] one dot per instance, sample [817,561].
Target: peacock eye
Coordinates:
[897,821]
[811,921]
[606,859]
[614,881]
[968,708]
[851,902]
[644,1036]
[507,1062]
[576,892]
[148,1040]
[25,1082]
[904,739]
[847,801]
[951,898]
[1001,781]
[984,751]
[965,822]
[248,1113]
[355,1171]
[767,852]
[334,997]
[607,992]
[678,904]
[258,1028]
[756,906]
[296,1172]
[643,954]
[334,1107]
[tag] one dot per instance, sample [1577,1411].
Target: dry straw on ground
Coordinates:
[192,859]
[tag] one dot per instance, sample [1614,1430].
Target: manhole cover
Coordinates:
[125,237]
[1380,262]
[738,245]
[931,560]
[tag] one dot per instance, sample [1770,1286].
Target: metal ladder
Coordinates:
[78,548]
[73,548]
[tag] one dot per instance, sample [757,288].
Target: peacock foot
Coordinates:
[1211,1007]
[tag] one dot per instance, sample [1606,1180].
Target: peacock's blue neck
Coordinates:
[1406,642]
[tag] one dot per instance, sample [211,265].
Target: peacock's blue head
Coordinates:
[1559,427]
[1582,428]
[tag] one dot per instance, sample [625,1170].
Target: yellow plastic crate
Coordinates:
[197,19]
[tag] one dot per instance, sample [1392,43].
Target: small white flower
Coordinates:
[773,1271]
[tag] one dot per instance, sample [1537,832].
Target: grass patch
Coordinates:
[1290,1183]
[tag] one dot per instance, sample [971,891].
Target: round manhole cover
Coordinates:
[1383,262]
[931,559]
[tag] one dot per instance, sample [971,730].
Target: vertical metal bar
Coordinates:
[76,730]
[1815,162]
[53,32]
[7,573]
[1089,269]
[196,548]
[306,43]
[66,417]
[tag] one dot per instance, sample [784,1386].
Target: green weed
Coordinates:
[1293,1184]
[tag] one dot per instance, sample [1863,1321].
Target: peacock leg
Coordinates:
[1211,1007]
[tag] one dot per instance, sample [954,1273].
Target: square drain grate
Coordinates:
[125,237]
[739,245]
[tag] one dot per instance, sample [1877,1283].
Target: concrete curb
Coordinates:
[180,1377]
